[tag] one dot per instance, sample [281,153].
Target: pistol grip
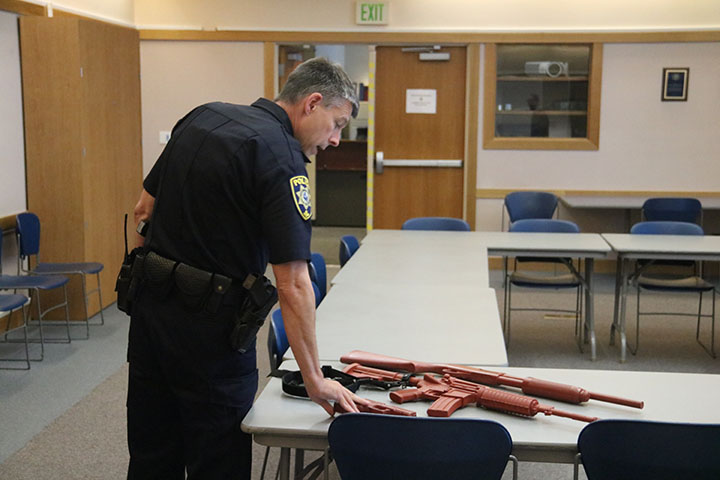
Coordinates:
[406,395]
[449,402]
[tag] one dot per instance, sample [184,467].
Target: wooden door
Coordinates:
[402,192]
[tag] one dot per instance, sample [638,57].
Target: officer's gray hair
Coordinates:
[320,75]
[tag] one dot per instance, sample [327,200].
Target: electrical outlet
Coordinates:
[164,137]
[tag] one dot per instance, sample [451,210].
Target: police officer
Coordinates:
[228,195]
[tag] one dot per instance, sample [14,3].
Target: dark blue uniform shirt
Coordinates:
[231,190]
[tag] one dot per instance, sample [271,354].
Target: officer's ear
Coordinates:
[312,102]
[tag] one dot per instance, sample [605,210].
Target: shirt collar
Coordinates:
[280,114]
[276,111]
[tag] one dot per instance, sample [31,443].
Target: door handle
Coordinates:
[379,157]
[381,163]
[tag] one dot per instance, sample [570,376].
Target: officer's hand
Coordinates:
[327,391]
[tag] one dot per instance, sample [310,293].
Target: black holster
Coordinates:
[261,296]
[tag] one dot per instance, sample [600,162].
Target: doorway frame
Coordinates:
[472,105]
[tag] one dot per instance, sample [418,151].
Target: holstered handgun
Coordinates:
[261,296]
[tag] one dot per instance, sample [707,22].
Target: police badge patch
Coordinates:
[301,194]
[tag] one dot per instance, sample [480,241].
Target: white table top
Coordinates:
[588,245]
[451,323]
[279,420]
[698,247]
[497,243]
[624,201]
[417,258]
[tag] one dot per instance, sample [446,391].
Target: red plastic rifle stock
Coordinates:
[378,407]
[529,385]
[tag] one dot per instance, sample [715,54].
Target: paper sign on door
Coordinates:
[421,101]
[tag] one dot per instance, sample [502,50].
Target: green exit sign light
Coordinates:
[372,13]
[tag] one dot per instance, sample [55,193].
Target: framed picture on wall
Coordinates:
[675,84]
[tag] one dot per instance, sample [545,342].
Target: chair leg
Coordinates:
[102,317]
[25,341]
[85,305]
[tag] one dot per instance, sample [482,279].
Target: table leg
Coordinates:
[284,464]
[589,304]
[618,280]
[621,320]
[299,462]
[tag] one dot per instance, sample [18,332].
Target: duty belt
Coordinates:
[198,288]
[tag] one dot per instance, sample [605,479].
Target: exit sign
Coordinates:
[372,13]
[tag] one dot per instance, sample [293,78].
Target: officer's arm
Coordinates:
[297,302]
[143,211]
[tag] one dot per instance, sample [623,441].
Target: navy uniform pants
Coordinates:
[188,392]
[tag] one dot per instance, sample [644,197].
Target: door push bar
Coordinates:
[380,163]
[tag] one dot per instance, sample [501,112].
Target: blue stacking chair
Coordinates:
[8,305]
[348,246]
[644,280]
[277,339]
[28,231]
[318,272]
[526,205]
[387,447]
[526,279]
[644,450]
[36,284]
[436,223]
[676,209]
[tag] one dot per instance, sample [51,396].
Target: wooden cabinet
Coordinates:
[81,100]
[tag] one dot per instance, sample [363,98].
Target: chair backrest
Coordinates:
[547,225]
[436,223]
[673,209]
[28,231]
[318,264]
[521,205]
[666,228]
[277,342]
[643,450]
[348,246]
[318,295]
[390,447]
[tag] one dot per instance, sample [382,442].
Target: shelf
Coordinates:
[541,78]
[543,112]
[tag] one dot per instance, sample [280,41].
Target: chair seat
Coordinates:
[44,282]
[73,267]
[9,303]
[525,279]
[669,284]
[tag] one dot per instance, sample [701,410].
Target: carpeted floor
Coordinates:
[88,440]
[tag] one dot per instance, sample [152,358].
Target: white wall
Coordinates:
[178,76]
[645,144]
[432,14]
[115,11]
[12,148]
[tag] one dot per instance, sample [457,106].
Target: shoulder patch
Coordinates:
[300,187]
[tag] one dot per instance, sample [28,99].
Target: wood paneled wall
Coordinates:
[81,90]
